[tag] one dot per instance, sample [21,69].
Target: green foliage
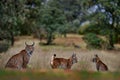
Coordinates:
[51,19]
[31,17]
[93,41]
[106,16]
[89,28]
[57,74]
[26,17]
[83,28]
[10,13]
[104,31]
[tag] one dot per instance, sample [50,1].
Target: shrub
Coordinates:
[104,32]
[87,28]
[83,28]
[4,46]
[93,41]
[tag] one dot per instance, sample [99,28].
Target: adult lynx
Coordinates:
[100,66]
[20,60]
[62,62]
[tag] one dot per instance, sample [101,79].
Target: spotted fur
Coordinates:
[63,63]
[20,60]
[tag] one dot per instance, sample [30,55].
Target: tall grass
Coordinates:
[42,55]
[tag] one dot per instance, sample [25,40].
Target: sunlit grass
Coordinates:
[57,47]
[41,56]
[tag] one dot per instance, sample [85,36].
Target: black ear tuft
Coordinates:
[54,55]
[25,43]
[96,55]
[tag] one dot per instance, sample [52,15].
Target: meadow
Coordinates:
[39,65]
[57,75]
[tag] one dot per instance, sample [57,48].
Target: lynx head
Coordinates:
[96,59]
[74,58]
[29,48]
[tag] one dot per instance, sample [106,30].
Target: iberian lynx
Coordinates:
[100,66]
[20,60]
[62,62]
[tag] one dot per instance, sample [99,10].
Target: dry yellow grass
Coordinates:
[71,38]
[41,56]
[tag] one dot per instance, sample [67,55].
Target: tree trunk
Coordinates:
[65,35]
[111,43]
[112,36]
[116,35]
[49,38]
[12,38]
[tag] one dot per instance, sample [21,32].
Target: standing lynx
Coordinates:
[20,60]
[63,63]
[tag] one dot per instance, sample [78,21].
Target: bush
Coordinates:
[87,28]
[93,41]
[104,32]
[4,46]
[83,28]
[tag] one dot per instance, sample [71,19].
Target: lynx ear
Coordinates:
[54,55]
[96,55]
[74,53]
[26,44]
[33,43]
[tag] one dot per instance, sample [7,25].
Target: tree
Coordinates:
[18,17]
[106,15]
[51,19]
[74,13]
[32,8]
[10,13]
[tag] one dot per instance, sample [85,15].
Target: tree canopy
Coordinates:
[51,17]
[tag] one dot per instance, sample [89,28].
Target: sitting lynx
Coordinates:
[20,60]
[100,66]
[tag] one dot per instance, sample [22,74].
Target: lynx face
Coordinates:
[29,49]
[74,59]
[96,59]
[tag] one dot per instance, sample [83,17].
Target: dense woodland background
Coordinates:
[46,19]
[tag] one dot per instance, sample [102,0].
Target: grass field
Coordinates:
[58,75]
[39,65]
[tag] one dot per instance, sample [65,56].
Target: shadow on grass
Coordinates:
[45,44]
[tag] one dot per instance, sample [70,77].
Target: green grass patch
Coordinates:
[58,75]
